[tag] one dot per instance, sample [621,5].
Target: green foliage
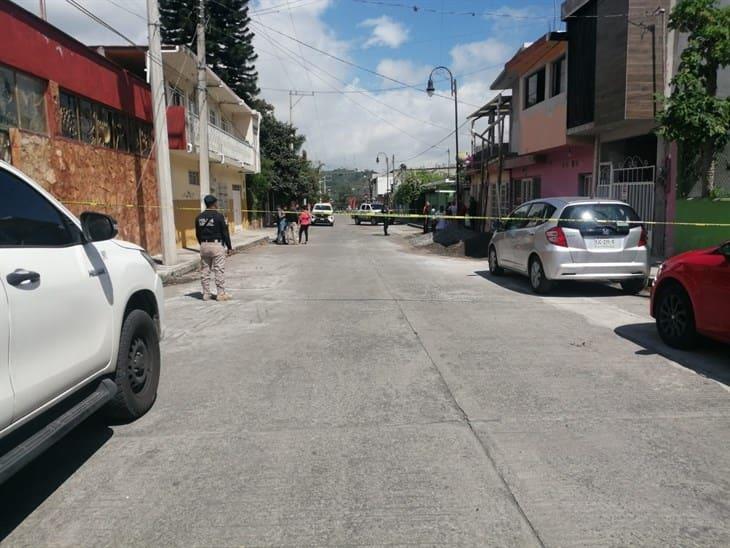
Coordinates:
[411,188]
[228,39]
[693,115]
[284,171]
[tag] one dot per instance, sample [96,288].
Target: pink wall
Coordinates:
[559,172]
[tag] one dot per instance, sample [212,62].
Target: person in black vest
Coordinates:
[211,229]
[386,219]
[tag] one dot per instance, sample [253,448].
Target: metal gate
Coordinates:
[632,183]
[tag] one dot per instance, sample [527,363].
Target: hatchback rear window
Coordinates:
[599,219]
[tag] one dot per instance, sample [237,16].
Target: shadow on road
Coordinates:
[27,490]
[520,284]
[710,359]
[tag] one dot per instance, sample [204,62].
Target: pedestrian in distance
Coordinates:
[211,230]
[305,219]
[426,221]
[280,224]
[441,222]
[292,216]
[386,219]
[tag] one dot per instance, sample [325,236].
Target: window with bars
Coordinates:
[22,101]
[92,123]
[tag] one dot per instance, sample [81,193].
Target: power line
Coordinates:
[130,11]
[471,13]
[324,71]
[355,65]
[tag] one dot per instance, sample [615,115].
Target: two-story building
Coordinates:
[539,158]
[233,137]
[545,160]
[77,123]
[616,53]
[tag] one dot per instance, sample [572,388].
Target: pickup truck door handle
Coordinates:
[97,272]
[20,276]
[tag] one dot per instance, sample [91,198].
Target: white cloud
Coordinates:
[403,70]
[341,129]
[475,55]
[385,32]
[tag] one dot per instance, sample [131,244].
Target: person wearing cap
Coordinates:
[211,229]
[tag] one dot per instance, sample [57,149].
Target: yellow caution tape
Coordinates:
[436,217]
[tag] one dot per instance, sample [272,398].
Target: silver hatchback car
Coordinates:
[555,239]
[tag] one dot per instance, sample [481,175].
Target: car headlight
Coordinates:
[149,259]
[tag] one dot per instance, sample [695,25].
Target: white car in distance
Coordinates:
[80,321]
[323,213]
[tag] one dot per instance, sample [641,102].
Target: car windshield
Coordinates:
[322,207]
[599,219]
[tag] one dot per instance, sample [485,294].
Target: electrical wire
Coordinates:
[360,67]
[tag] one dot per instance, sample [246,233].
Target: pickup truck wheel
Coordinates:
[138,367]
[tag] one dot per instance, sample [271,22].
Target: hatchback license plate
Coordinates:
[604,243]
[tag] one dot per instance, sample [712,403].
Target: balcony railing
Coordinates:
[223,146]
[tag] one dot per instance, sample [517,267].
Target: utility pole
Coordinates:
[203,150]
[300,94]
[159,113]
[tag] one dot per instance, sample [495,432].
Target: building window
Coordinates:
[22,101]
[226,126]
[177,98]
[214,120]
[94,124]
[535,88]
[585,184]
[193,103]
[69,116]
[558,77]
[194,178]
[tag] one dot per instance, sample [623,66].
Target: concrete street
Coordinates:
[356,392]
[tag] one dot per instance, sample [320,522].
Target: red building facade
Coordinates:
[78,124]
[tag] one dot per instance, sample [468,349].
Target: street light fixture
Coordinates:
[431,90]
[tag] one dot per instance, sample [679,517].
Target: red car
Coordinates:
[691,297]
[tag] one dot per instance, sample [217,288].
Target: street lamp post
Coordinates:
[430,89]
[387,167]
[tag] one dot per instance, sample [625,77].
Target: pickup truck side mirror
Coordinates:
[98,227]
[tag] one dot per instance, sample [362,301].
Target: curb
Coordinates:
[190,265]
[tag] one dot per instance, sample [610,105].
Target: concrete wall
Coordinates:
[186,197]
[542,126]
[700,211]
[559,173]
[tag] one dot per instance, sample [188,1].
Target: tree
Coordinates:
[693,115]
[289,174]
[229,47]
[411,187]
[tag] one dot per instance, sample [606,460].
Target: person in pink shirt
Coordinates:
[305,219]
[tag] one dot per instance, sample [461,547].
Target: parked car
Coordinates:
[555,239]
[691,297]
[323,213]
[80,321]
[365,213]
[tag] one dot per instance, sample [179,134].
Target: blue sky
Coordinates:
[349,129]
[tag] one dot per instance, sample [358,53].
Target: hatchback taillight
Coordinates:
[643,239]
[556,236]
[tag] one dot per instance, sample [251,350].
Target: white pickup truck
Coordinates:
[80,321]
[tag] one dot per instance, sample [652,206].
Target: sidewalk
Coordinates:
[188,259]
